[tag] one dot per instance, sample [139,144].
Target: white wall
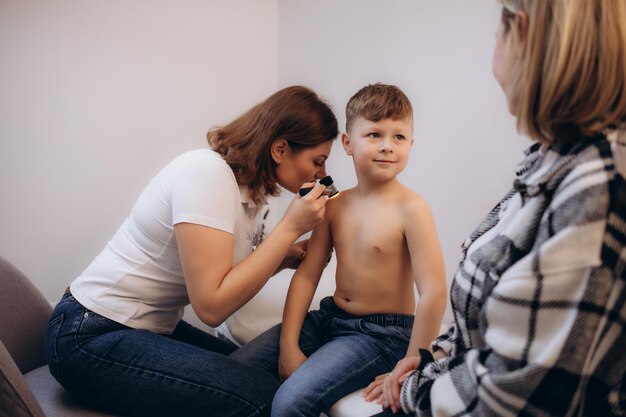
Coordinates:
[439,53]
[95,96]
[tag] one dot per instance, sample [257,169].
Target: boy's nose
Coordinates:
[384,146]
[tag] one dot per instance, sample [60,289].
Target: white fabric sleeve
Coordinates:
[205,192]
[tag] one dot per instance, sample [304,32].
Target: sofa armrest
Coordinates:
[16,399]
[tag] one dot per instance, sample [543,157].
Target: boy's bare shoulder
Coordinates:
[340,199]
[413,204]
[338,202]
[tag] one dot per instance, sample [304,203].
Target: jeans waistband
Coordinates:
[382,319]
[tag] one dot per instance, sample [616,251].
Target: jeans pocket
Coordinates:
[402,333]
[93,324]
[372,329]
[52,336]
[382,333]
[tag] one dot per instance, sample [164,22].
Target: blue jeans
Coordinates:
[345,353]
[139,373]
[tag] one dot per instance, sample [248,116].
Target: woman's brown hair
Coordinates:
[572,81]
[295,114]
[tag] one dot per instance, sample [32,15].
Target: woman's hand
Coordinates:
[289,362]
[393,382]
[304,213]
[296,255]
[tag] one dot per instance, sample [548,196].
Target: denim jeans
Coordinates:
[139,373]
[388,413]
[345,353]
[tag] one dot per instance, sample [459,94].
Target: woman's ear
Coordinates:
[521,20]
[345,141]
[279,149]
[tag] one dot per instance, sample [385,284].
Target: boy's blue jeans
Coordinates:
[345,353]
[140,373]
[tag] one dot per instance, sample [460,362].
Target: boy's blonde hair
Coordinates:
[573,79]
[376,102]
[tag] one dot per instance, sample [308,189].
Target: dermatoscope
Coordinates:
[330,190]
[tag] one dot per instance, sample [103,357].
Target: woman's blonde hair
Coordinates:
[572,82]
[295,114]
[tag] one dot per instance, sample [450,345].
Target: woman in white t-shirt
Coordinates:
[116,339]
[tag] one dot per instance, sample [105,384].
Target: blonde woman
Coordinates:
[539,296]
[116,339]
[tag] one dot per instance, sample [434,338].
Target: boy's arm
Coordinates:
[430,280]
[301,291]
[429,274]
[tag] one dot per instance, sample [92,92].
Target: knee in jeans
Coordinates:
[289,402]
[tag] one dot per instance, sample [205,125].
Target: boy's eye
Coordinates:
[374,135]
[400,137]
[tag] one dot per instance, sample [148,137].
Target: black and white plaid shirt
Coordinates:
[539,299]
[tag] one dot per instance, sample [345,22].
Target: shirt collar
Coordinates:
[246,198]
[546,165]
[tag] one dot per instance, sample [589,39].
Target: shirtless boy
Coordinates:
[385,241]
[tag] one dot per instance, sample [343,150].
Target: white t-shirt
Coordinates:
[137,280]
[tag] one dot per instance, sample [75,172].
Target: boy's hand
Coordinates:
[295,256]
[393,382]
[289,362]
[374,390]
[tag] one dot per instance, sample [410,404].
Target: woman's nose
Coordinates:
[321,172]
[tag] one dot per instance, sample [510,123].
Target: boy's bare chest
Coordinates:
[368,231]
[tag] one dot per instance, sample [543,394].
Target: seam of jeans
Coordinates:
[170,377]
[53,359]
[377,336]
[77,324]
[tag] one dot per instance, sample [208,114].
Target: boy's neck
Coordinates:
[367,187]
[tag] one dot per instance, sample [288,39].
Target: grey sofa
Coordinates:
[26,387]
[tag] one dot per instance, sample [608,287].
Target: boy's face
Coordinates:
[379,149]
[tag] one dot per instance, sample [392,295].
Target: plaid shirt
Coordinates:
[539,297]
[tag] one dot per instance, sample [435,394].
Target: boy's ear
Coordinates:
[345,141]
[412,140]
[279,149]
